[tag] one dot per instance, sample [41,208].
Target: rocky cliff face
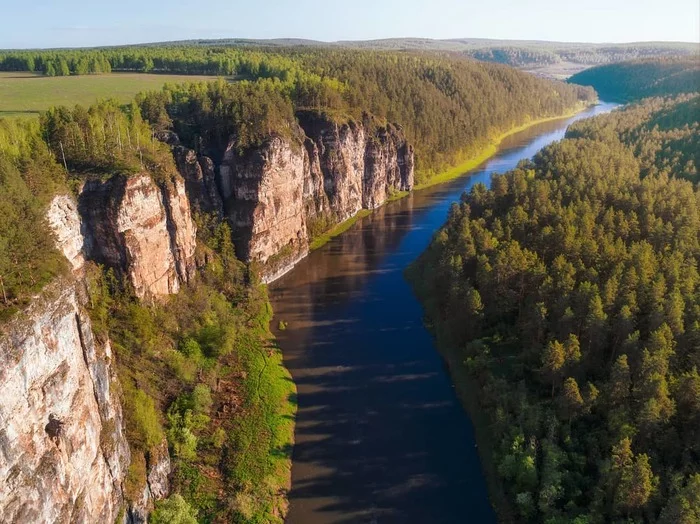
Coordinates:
[324,173]
[264,200]
[157,486]
[341,157]
[143,230]
[361,165]
[64,220]
[200,180]
[63,454]
[63,451]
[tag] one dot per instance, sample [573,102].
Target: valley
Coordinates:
[394,280]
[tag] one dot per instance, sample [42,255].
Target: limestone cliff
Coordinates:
[200,180]
[157,486]
[64,220]
[141,229]
[273,194]
[63,450]
[264,201]
[341,156]
[63,454]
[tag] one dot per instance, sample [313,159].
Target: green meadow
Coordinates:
[27,94]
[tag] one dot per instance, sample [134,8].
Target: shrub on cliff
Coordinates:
[28,178]
[173,510]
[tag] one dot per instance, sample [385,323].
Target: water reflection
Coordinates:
[380,435]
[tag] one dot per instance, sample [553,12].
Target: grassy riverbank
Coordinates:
[475,160]
[263,436]
[338,229]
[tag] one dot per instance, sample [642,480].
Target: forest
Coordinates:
[565,297]
[439,101]
[636,79]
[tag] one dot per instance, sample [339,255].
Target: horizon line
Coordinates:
[345,42]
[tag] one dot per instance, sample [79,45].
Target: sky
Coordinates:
[75,23]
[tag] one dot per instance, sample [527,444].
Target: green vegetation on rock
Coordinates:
[202,369]
[28,178]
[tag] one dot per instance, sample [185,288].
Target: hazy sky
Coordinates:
[53,23]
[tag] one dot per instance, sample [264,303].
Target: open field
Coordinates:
[27,94]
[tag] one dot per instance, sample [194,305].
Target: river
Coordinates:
[380,435]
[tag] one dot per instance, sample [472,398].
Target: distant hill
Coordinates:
[554,59]
[637,79]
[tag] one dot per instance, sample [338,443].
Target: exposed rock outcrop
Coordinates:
[64,220]
[181,228]
[63,454]
[157,486]
[341,157]
[275,194]
[143,230]
[266,203]
[159,471]
[388,167]
[63,450]
[361,164]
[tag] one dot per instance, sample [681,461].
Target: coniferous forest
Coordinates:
[566,296]
[627,81]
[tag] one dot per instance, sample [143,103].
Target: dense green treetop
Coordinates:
[571,291]
[664,134]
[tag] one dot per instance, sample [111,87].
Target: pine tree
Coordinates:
[553,360]
[571,400]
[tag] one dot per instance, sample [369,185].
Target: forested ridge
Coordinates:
[567,299]
[450,108]
[636,79]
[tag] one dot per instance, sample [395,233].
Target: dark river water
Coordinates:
[380,435]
